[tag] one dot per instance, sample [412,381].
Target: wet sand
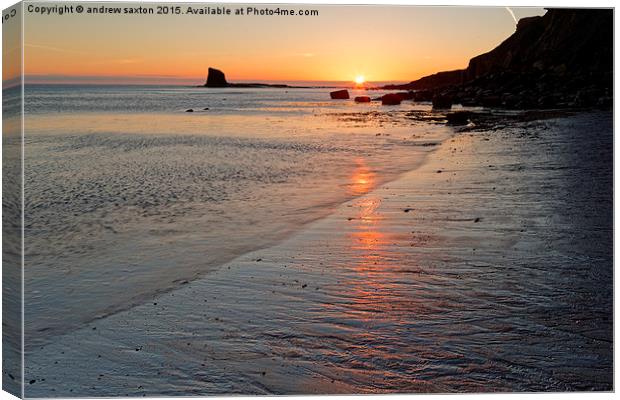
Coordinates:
[489,268]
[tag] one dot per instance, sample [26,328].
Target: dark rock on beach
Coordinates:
[391,99]
[442,101]
[339,94]
[563,59]
[423,95]
[362,99]
[405,95]
[459,117]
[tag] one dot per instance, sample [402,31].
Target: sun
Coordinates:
[360,79]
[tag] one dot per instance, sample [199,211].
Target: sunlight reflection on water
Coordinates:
[129,169]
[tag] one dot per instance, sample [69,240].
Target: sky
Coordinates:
[381,43]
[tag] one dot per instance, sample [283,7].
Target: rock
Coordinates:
[405,95]
[423,95]
[468,102]
[339,94]
[458,117]
[189,110]
[362,99]
[491,101]
[216,78]
[605,102]
[510,100]
[391,99]
[442,102]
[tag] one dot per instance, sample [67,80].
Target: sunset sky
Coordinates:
[382,43]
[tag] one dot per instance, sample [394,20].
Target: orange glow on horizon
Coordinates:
[182,47]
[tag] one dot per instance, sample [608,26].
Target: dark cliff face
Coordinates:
[563,42]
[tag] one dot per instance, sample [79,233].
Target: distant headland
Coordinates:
[217,79]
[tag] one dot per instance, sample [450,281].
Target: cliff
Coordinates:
[564,57]
[574,41]
[440,79]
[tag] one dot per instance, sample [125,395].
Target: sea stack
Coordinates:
[216,78]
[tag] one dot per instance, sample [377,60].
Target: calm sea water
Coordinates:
[128,195]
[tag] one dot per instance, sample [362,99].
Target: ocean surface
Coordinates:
[127,195]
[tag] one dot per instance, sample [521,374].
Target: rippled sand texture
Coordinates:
[487,269]
[128,196]
[12,272]
[113,219]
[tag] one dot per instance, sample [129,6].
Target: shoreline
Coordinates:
[421,151]
[377,296]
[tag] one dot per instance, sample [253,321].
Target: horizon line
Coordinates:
[168,80]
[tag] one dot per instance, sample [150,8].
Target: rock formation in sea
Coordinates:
[216,78]
[561,59]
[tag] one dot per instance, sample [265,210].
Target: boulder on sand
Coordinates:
[405,95]
[491,101]
[458,117]
[442,102]
[339,94]
[216,78]
[423,95]
[391,99]
[362,99]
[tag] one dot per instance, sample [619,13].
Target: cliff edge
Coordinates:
[563,58]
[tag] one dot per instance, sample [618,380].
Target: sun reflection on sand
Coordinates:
[368,242]
[363,178]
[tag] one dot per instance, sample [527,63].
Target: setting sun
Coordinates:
[360,79]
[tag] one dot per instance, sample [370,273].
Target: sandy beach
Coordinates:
[486,269]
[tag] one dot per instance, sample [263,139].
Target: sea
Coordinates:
[129,195]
